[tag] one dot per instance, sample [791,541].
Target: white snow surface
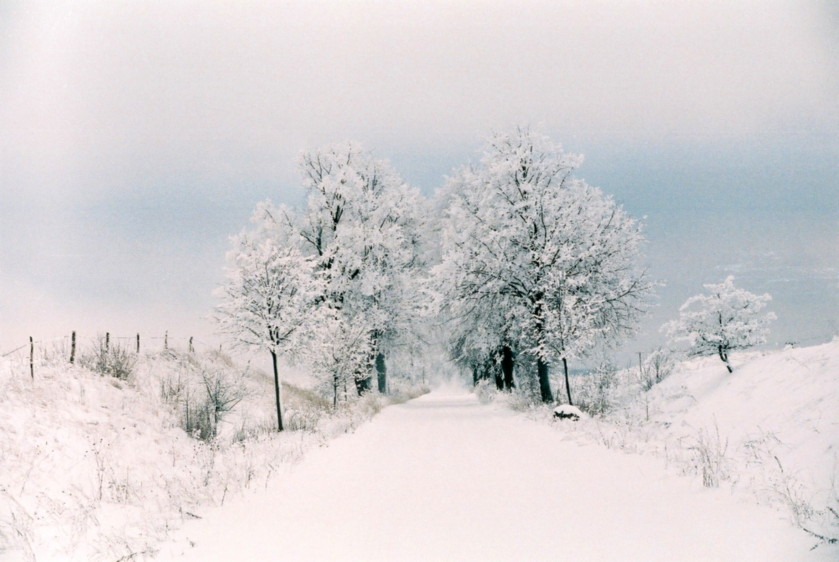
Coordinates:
[782,403]
[444,477]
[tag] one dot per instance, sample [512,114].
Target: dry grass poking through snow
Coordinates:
[770,430]
[102,468]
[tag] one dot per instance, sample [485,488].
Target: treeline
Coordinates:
[514,263]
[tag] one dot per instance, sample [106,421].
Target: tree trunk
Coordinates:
[363,385]
[381,372]
[567,383]
[507,367]
[542,368]
[543,372]
[490,371]
[724,356]
[277,391]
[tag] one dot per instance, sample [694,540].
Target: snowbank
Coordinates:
[787,401]
[770,429]
[97,468]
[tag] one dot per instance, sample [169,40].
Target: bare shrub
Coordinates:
[710,457]
[224,392]
[402,389]
[519,401]
[17,530]
[110,359]
[201,388]
[304,408]
[485,391]
[830,523]
[301,420]
[205,405]
[370,404]
[658,366]
[197,419]
[791,492]
[595,390]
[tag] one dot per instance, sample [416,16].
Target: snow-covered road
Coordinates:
[446,478]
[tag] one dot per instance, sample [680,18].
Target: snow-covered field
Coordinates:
[96,468]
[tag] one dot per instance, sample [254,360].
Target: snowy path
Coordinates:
[445,478]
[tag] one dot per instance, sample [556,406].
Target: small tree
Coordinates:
[339,353]
[655,368]
[269,288]
[725,320]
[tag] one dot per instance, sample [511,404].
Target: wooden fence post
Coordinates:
[107,342]
[166,340]
[32,357]
[138,344]
[191,348]
[73,347]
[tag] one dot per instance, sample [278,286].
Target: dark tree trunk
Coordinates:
[542,368]
[277,392]
[499,379]
[567,382]
[475,375]
[724,356]
[363,385]
[381,372]
[507,367]
[543,371]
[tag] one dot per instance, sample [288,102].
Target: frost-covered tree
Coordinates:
[342,352]
[268,293]
[724,320]
[550,262]
[362,226]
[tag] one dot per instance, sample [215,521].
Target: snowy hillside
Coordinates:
[98,468]
[785,403]
[769,430]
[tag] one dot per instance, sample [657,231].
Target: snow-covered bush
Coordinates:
[595,390]
[212,394]
[656,367]
[710,457]
[826,528]
[109,358]
[722,321]
[485,390]
[202,389]
[304,408]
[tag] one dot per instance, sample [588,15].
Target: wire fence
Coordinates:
[68,348]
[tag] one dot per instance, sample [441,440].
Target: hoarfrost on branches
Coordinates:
[543,262]
[362,225]
[724,320]
[268,291]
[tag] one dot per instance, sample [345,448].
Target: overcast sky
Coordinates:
[135,138]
